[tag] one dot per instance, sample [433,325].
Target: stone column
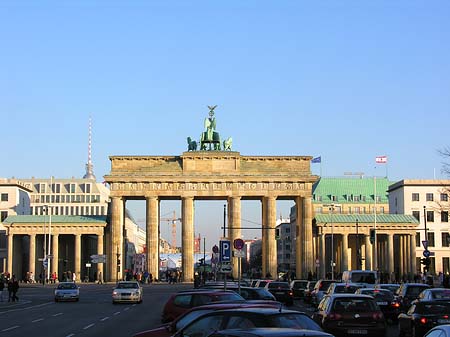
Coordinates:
[402,256]
[236,229]
[100,252]
[10,252]
[152,236]
[271,242]
[322,255]
[264,267]
[299,238]
[78,257]
[55,251]
[32,265]
[308,256]
[344,251]
[115,249]
[390,252]
[412,254]
[187,233]
[368,249]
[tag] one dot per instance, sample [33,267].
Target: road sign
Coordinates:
[238,244]
[98,258]
[226,268]
[425,244]
[225,251]
[88,265]
[426,253]
[238,253]
[45,263]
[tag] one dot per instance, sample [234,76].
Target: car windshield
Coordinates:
[378,294]
[363,278]
[345,289]
[229,297]
[67,286]
[414,290]
[127,285]
[263,293]
[295,321]
[354,305]
[189,317]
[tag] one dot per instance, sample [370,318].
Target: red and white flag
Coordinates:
[381,159]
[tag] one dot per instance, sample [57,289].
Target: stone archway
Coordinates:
[203,175]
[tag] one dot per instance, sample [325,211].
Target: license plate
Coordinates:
[382,303]
[443,321]
[357,331]
[279,293]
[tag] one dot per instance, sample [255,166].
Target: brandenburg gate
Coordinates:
[211,173]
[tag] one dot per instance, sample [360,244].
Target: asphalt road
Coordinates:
[36,314]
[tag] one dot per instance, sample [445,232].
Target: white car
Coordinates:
[67,291]
[127,291]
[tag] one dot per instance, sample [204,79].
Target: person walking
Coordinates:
[13,287]
[2,286]
[100,278]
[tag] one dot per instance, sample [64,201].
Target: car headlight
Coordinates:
[115,293]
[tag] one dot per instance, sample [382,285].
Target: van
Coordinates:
[366,278]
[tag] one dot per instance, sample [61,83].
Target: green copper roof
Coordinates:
[55,219]
[350,190]
[365,218]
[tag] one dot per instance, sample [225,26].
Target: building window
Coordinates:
[429,196]
[318,210]
[415,197]
[444,197]
[333,198]
[357,210]
[430,216]
[319,198]
[418,240]
[4,197]
[56,188]
[378,198]
[363,198]
[87,188]
[444,216]
[382,209]
[446,265]
[445,239]
[430,239]
[72,188]
[356,198]
[349,210]
[416,214]
[3,215]
[41,188]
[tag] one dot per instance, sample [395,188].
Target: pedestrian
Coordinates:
[2,286]
[100,278]
[13,287]
[74,277]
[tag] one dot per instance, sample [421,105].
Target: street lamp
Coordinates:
[331,209]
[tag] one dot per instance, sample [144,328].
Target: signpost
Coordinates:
[98,258]
[238,245]
[225,259]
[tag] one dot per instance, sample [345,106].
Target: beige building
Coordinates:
[428,202]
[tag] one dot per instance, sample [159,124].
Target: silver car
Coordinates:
[67,291]
[127,291]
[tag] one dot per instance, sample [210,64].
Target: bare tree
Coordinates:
[445,153]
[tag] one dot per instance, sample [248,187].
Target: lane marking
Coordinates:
[27,308]
[11,328]
[37,320]
[126,309]
[88,326]
[72,334]
[104,319]
[58,314]
[117,313]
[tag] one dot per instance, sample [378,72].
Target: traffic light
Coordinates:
[426,261]
[372,235]
[118,262]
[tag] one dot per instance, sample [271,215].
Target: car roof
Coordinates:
[205,291]
[263,310]
[272,332]
[350,295]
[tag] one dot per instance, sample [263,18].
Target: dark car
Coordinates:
[350,315]
[422,316]
[168,329]
[407,293]
[384,299]
[183,301]
[282,291]
[246,318]
[269,332]
[248,293]
[298,288]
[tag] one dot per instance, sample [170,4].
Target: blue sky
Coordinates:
[346,80]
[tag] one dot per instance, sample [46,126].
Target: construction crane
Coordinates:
[173,222]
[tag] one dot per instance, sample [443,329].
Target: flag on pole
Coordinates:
[317,160]
[381,159]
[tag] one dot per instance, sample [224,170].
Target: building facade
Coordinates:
[428,202]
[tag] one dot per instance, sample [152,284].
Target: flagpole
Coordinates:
[321,167]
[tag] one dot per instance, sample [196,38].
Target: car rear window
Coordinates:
[354,305]
[414,290]
[278,285]
[299,285]
[183,301]
[228,297]
[295,321]
[345,289]
[443,294]
[433,308]
[363,277]
[379,294]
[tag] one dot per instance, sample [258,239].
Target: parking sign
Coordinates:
[225,251]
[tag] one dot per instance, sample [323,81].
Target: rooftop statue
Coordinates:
[210,137]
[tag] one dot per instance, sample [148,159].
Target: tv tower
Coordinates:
[89,167]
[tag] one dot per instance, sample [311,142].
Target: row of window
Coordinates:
[429,197]
[445,237]
[430,216]
[348,197]
[352,210]
[70,210]
[65,198]
[56,188]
